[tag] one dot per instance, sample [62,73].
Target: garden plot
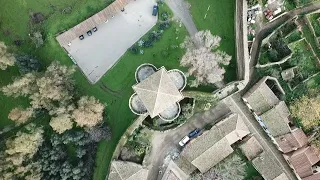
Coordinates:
[97,53]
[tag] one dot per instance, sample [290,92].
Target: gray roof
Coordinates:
[276,119]
[214,145]
[123,170]
[267,167]
[158,92]
[260,97]
[173,172]
[251,148]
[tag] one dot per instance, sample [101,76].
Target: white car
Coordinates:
[184,141]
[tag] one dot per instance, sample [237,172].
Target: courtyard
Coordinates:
[97,53]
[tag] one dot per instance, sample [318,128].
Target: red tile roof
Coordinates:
[292,141]
[303,159]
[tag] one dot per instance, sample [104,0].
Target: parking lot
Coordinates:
[97,53]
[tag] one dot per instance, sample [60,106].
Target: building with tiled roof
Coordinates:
[277,119]
[302,160]
[213,146]
[124,170]
[292,141]
[261,97]
[251,148]
[268,167]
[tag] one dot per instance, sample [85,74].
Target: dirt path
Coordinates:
[181,10]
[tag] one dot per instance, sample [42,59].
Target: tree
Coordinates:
[232,167]
[27,64]
[37,39]
[20,116]
[55,85]
[6,59]
[202,58]
[99,132]
[61,123]
[89,112]
[23,86]
[307,110]
[203,66]
[15,161]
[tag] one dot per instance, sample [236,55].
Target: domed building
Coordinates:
[157,92]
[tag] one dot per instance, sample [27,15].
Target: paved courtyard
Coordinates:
[97,53]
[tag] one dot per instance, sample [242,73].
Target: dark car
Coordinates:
[194,133]
[155,10]
[95,29]
[89,33]
[81,37]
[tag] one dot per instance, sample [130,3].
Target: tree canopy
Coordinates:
[307,110]
[6,58]
[203,59]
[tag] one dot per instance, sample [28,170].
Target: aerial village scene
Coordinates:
[160,90]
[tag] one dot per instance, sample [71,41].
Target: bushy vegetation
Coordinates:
[276,48]
[293,36]
[315,22]
[155,34]
[136,146]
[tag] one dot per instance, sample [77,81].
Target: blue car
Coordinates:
[194,133]
[155,10]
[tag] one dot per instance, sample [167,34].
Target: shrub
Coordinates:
[27,64]
[164,25]
[164,16]
[147,44]
[134,49]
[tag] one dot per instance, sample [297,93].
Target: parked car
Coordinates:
[89,33]
[184,141]
[95,29]
[194,133]
[155,10]
[81,37]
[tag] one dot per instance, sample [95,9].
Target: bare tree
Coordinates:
[89,112]
[203,59]
[6,59]
[203,66]
[20,116]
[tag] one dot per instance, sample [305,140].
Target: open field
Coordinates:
[114,89]
[220,21]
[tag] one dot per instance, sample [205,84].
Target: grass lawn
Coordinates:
[15,25]
[220,21]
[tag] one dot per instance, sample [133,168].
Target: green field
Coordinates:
[15,26]
[220,21]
